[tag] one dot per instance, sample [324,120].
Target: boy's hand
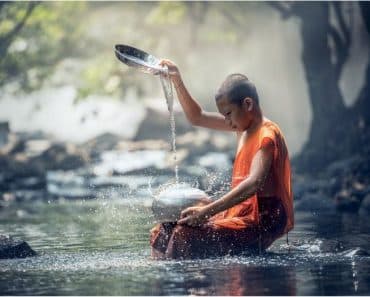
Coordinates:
[173,70]
[193,216]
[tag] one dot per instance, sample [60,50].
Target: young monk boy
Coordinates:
[259,207]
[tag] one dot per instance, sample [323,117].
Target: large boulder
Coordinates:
[104,142]
[60,156]
[343,167]
[14,248]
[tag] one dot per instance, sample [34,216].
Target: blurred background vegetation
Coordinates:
[39,38]
[308,60]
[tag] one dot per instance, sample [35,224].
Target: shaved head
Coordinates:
[236,88]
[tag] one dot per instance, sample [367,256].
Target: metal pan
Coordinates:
[139,59]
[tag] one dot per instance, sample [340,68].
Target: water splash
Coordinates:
[168,92]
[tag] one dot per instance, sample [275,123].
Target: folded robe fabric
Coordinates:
[246,212]
[255,221]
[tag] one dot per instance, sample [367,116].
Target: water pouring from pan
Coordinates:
[172,199]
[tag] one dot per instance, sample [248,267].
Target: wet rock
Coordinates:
[68,184]
[365,206]
[351,197]
[76,185]
[314,202]
[345,247]
[303,185]
[156,125]
[147,144]
[346,200]
[101,143]
[61,157]
[121,162]
[33,135]
[334,185]
[14,248]
[147,171]
[8,197]
[16,146]
[356,252]
[22,195]
[36,147]
[29,183]
[29,195]
[15,167]
[343,167]
[27,171]
[4,132]
[332,246]
[26,142]
[300,187]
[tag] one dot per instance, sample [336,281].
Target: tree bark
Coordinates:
[362,105]
[6,40]
[326,133]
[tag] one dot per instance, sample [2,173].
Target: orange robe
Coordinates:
[246,212]
[257,221]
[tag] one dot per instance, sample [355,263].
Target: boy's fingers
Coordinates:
[164,62]
[184,213]
[182,221]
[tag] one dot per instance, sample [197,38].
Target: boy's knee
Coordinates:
[183,232]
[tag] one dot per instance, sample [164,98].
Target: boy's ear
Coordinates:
[249,103]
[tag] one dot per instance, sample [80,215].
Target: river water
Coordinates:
[100,247]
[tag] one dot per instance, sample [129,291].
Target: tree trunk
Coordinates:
[332,134]
[362,106]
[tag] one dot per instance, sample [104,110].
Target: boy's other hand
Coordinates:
[173,70]
[193,216]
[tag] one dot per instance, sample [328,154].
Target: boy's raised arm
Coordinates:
[193,111]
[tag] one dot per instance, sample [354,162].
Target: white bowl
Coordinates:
[169,203]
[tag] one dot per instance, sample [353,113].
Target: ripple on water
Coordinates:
[117,258]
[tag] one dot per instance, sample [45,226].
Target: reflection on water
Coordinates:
[100,247]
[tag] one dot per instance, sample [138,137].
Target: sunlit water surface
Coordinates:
[100,247]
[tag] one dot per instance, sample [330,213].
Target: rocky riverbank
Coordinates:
[36,166]
[343,186]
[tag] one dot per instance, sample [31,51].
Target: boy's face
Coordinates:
[236,116]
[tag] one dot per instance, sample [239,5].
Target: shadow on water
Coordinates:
[101,247]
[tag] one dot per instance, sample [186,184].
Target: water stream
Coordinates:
[168,92]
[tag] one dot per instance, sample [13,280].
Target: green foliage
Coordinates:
[171,13]
[105,75]
[98,77]
[83,33]
[48,35]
